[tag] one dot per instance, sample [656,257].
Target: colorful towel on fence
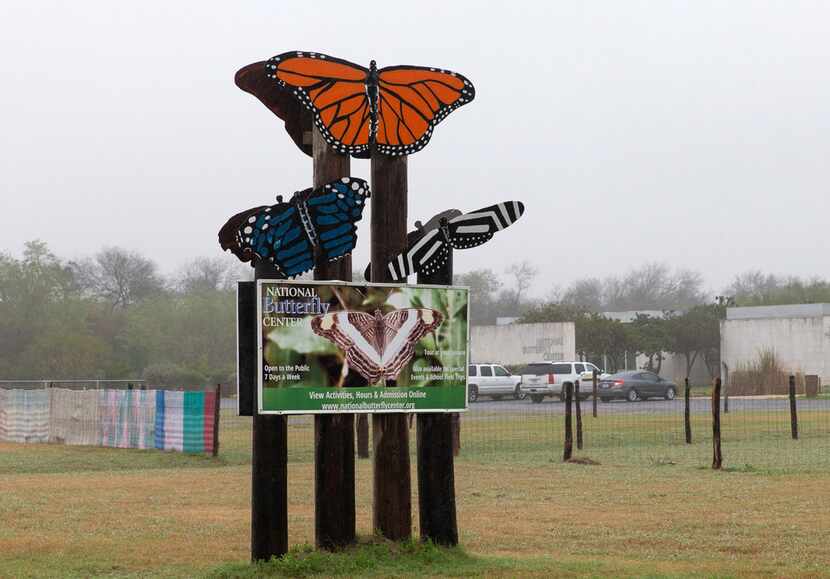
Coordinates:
[25,416]
[126,418]
[167,420]
[185,421]
[73,416]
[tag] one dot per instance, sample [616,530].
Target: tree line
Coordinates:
[114,316]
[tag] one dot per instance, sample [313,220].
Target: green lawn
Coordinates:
[652,507]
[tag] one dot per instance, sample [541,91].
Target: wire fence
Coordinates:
[756,433]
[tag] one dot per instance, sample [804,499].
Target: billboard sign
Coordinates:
[331,347]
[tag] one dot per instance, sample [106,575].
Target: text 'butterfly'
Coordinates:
[377,346]
[289,234]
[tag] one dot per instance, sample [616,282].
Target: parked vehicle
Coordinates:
[492,380]
[635,385]
[541,380]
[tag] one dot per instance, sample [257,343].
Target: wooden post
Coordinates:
[793,411]
[436,468]
[390,432]
[578,416]
[334,478]
[269,474]
[687,421]
[717,457]
[569,436]
[362,433]
[594,380]
[456,433]
[216,413]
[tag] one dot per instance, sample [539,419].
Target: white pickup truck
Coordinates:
[547,379]
[492,380]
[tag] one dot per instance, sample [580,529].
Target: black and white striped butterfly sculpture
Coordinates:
[430,245]
[377,346]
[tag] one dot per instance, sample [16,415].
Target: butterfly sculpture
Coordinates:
[358,110]
[429,246]
[289,234]
[377,346]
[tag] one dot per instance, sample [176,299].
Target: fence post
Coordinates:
[216,414]
[717,457]
[578,416]
[793,411]
[594,388]
[687,421]
[569,436]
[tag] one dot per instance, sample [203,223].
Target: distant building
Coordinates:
[798,335]
[520,344]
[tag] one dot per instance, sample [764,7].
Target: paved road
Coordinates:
[647,407]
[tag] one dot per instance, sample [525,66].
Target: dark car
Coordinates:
[636,385]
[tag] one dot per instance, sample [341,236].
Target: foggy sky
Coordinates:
[696,133]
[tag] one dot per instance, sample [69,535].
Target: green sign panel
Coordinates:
[329,347]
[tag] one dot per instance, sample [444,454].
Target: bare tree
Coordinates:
[484,284]
[652,286]
[523,275]
[118,276]
[587,293]
[210,274]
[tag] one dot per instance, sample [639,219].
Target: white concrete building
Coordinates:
[798,334]
[517,344]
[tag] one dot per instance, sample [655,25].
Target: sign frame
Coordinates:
[337,283]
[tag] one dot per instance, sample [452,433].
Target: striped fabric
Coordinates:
[162,419]
[25,416]
[73,416]
[184,421]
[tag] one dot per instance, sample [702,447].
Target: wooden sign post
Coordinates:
[269,473]
[390,432]
[334,479]
[435,451]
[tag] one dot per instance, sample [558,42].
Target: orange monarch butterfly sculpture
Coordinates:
[359,110]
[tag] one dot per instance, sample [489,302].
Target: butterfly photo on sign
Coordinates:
[377,345]
[289,234]
[359,110]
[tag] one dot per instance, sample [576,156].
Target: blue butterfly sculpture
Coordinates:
[289,234]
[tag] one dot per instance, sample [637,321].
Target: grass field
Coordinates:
[651,507]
